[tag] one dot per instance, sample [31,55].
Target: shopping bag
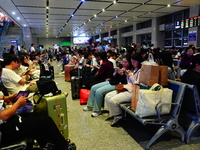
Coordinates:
[84,94]
[135,90]
[149,73]
[149,99]
[163,75]
[134,100]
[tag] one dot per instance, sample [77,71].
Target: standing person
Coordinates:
[32,49]
[11,50]
[113,99]
[98,91]
[23,50]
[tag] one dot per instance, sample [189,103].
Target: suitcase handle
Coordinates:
[62,118]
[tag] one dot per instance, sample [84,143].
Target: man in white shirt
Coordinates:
[112,59]
[32,48]
[12,81]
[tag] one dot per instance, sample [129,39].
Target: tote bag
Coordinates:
[148,100]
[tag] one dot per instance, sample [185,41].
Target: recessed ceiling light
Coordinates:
[103,10]
[125,21]
[72,15]
[95,15]
[116,16]
[47,7]
[13,13]
[18,18]
[168,5]
[114,2]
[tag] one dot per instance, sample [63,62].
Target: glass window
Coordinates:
[168,42]
[178,16]
[178,42]
[168,34]
[177,33]
[185,32]
[185,42]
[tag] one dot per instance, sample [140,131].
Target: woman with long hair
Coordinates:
[113,99]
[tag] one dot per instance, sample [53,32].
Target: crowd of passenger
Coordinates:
[102,67]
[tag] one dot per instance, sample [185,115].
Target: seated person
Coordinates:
[98,91]
[192,75]
[28,125]
[112,59]
[12,81]
[186,60]
[104,72]
[113,99]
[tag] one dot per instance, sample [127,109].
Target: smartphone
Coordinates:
[26,72]
[21,93]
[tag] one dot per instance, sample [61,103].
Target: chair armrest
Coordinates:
[158,108]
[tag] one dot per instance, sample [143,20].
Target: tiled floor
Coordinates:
[90,133]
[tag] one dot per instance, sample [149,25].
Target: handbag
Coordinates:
[46,86]
[149,99]
[84,94]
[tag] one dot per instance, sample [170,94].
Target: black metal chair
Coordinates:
[168,122]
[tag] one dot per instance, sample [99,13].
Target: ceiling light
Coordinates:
[47,7]
[66,23]
[24,25]
[13,13]
[72,15]
[103,10]
[82,0]
[114,2]
[168,5]
[89,20]
[116,16]
[95,15]
[125,21]
[18,18]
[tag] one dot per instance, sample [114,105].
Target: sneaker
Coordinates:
[95,114]
[87,108]
[116,121]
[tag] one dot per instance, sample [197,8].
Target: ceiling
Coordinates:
[61,18]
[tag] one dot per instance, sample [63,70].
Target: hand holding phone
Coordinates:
[26,72]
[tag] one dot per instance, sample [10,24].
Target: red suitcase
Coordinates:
[68,68]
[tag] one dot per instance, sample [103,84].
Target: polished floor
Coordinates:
[89,133]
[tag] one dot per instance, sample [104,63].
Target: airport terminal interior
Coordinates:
[74,24]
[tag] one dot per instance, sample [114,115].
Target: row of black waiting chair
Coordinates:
[185,98]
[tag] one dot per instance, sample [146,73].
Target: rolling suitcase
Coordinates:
[56,108]
[76,86]
[68,68]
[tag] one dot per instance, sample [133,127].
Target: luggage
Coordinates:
[84,95]
[56,108]
[46,71]
[68,68]
[75,87]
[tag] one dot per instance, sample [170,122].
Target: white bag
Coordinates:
[148,100]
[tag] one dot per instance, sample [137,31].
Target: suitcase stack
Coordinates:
[56,108]
[68,68]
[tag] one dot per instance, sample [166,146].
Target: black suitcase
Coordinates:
[75,87]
